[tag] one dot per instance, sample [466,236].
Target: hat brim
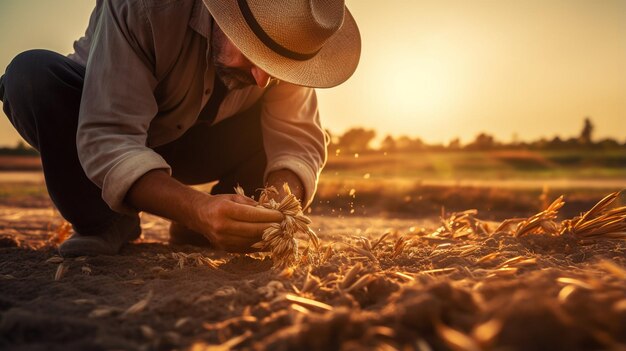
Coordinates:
[331,66]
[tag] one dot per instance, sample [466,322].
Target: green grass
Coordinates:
[24,195]
[587,164]
[9,190]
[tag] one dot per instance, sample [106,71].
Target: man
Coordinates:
[159,95]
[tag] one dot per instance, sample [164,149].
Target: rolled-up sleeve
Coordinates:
[118,102]
[293,136]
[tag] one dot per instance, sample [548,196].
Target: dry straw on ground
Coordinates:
[600,222]
[459,283]
[280,238]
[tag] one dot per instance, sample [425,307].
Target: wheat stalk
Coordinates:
[599,221]
[542,221]
[280,238]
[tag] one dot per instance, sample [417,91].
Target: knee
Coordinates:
[34,88]
[30,75]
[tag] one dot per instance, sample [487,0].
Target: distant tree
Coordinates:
[434,147]
[21,145]
[388,144]
[417,145]
[541,143]
[455,144]
[556,143]
[405,143]
[356,140]
[586,133]
[483,141]
[608,144]
[571,143]
[20,149]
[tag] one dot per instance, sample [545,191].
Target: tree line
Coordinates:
[20,149]
[359,140]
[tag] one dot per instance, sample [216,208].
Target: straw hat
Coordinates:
[314,43]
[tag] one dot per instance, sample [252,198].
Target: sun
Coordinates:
[418,86]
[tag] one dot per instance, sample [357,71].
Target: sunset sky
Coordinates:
[435,69]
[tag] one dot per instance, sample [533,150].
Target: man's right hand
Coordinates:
[230,222]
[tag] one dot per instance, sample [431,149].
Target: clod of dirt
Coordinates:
[9,241]
[247,265]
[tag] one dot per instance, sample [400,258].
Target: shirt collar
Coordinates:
[200,19]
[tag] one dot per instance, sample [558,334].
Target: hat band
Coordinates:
[266,39]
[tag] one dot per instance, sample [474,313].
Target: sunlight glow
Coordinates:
[436,70]
[418,86]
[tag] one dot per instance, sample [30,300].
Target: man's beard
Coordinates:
[232,78]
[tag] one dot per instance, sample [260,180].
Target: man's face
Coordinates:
[231,66]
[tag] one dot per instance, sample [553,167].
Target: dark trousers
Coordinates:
[41,92]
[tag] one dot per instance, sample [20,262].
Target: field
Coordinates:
[500,184]
[401,266]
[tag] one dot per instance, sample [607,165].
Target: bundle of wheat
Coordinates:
[280,238]
[542,221]
[461,224]
[599,221]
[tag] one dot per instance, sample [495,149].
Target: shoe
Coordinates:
[121,231]
[181,235]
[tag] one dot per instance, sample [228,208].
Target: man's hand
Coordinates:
[230,222]
[279,177]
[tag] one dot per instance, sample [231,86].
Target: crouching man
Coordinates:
[162,95]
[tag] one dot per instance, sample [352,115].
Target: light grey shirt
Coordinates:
[149,73]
